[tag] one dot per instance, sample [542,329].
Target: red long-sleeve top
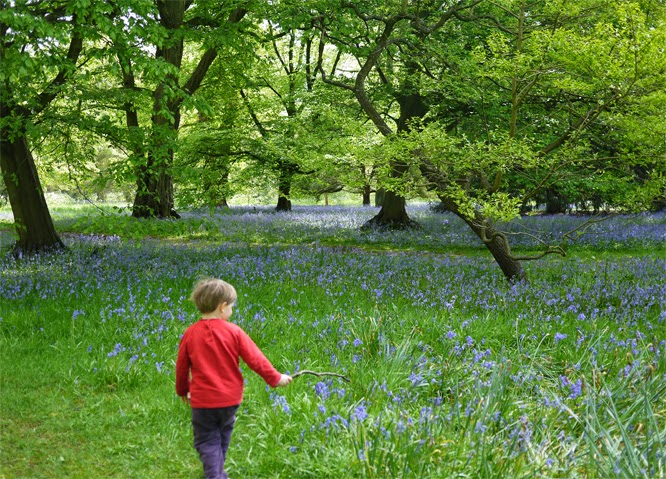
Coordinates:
[210,350]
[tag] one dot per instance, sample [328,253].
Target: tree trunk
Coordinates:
[366,195]
[555,204]
[224,182]
[283,203]
[393,214]
[511,267]
[146,200]
[154,193]
[154,189]
[379,197]
[284,192]
[498,247]
[32,218]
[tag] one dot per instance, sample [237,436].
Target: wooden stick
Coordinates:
[320,374]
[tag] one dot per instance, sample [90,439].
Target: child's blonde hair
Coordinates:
[209,293]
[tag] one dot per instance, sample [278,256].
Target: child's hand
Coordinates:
[285,380]
[186,399]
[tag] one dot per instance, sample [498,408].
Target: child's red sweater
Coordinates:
[210,349]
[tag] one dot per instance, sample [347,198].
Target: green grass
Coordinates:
[459,373]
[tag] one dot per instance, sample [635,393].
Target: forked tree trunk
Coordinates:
[32,218]
[155,195]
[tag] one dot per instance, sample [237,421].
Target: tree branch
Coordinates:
[51,90]
[263,131]
[197,76]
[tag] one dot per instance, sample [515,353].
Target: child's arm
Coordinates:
[255,359]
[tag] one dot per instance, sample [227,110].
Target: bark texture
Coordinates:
[493,240]
[32,218]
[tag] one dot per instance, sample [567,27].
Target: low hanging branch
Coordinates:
[320,374]
[559,249]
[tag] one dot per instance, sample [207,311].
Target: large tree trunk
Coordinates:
[379,197]
[284,190]
[154,194]
[393,212]
[155,183]
[32,218]
[392,215]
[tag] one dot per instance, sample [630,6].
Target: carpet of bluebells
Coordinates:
[453,371]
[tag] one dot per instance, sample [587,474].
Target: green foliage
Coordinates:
[518,104]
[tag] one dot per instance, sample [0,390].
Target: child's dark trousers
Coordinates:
[212,434]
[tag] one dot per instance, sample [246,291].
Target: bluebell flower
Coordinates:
[359,413]
[559,337]
[576,389]
[280,402]
[116,349]
[321,389]
[415,379]
[400,427]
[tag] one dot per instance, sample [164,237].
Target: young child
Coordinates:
[208,375]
